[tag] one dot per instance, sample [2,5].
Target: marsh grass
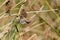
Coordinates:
[44,17]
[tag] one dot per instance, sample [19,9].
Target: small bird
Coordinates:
[23,13]
[7,6]
[8,9]
[7,2]
[23,17]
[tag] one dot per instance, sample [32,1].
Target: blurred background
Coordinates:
[43,17]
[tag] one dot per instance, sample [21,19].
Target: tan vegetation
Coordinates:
[41,20]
